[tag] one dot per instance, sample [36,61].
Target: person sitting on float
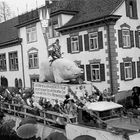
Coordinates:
[55,50]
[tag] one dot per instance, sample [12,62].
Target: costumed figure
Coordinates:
[55,50]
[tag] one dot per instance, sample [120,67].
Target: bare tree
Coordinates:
[5,12]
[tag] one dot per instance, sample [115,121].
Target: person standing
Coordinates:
[135,97]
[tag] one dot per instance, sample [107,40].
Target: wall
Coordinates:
[132,52]
[11,75]
[42,51]
[85,56]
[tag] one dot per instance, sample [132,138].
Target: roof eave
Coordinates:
[63,12]
[115,17]
[11,42]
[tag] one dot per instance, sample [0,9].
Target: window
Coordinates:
[131,9]
[34,78]
[139,38]
[128,70]
[13,61]
[31,33]
[93,41]
[3,62]
[53,25]
[95,72]
[126,38]
[33,60]
[74,44]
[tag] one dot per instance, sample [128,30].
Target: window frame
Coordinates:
[128,38]
[96,38]
[32,78]
[3,62]
[33,60]
[30,34]
[73,42]
[128,67]
[139,37]
[15,61]
[96,69]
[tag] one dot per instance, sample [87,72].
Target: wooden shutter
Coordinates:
[132,38]
[69,45]
[100,40]
[102,72]
[86,40]
[88,71]
[127,8]
[83,75]
[120,38]
[137,39]
[135,9]
[133,70]
[138,69]
[122,71]
[80,43]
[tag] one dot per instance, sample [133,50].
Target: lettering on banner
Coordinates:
[50,91]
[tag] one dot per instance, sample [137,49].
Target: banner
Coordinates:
[50,91]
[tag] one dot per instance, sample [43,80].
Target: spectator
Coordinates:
[56,107]
[66,99]
[135,97]
[71,108]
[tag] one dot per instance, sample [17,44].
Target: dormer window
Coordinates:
[131,9]
[53,25]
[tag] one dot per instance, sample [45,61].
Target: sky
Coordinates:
[21,6]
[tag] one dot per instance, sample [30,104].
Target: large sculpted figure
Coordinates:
[60,70]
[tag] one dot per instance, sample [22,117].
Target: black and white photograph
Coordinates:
[69,69]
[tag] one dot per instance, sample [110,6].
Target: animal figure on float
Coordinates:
[59,71]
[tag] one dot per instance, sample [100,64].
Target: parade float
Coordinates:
[99,120]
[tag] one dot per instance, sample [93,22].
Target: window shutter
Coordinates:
[102,72]
[69,45]
[86,40]
[137,39]
[80,43]
[133,70]
[120,38]
[127,8]
[138,69]
[83,75]
[88,70]
[132,38]
[135,9]
[122,71]
[100,40]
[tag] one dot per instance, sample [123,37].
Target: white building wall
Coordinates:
[11,75]
[132,52]
[42,51]
[85,56]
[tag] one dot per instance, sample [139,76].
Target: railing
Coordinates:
[45,117]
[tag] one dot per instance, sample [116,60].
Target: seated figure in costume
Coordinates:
[55,51]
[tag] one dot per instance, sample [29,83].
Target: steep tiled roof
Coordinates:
[8,31]
[88,10]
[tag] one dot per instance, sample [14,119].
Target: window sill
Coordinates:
[34,68]
[127,47]
[133,18]
[13,70]
[28,42]
[96,81]
[128,79]
[75,52]
[93,50]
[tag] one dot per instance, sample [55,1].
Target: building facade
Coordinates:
[102,37]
